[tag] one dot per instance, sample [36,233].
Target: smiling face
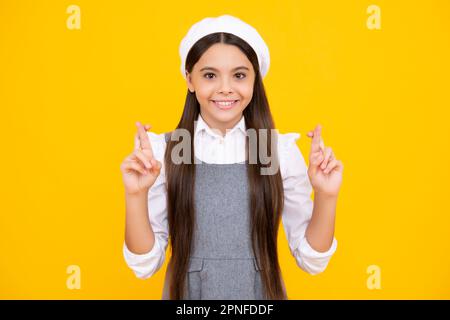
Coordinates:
[222,80]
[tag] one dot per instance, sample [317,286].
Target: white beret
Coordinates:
[229,24]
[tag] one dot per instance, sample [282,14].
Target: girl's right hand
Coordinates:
[140,169]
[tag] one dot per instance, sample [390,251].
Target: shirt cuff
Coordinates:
[313,261]
[146,264]
[309,252]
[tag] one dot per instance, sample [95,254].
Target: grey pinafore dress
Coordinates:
[222,264]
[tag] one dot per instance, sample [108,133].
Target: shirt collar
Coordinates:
[202,125]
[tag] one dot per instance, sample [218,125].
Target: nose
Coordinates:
[225,86]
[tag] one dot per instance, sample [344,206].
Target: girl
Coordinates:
[221,214]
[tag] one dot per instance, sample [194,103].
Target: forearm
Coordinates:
[320,231]
[139,236]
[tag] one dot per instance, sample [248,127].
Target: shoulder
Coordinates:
[287,144]
[287,140]
[292,161]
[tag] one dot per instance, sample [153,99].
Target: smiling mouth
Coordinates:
[225,104]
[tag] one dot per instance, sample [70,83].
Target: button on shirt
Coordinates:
[212,147]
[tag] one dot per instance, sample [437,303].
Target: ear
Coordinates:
[189,82]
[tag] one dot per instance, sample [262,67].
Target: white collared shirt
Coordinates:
[211,147]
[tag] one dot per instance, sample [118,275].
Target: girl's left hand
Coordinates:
[324,171]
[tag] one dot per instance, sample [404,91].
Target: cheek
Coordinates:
[205,93]
[246,92]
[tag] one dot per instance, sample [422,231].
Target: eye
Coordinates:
[242,75]
[206,75]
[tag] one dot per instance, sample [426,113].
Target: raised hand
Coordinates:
[324,171]
[140,169]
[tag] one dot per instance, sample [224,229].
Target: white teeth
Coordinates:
[220,103]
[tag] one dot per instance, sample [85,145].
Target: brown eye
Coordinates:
[206,75]
[242,75]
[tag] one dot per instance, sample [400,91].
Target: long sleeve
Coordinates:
[147,264]
[298,206]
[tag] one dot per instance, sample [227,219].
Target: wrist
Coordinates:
[325,195]
[136,195]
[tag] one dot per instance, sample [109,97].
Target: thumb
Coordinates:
[156,165]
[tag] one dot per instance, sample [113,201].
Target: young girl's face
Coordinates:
[223,73]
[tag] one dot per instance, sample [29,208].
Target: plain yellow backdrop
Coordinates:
[69,100]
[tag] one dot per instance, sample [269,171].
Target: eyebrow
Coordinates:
[214,69]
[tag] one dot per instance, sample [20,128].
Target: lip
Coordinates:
[235,102]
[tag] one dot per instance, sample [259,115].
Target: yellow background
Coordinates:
[69,100]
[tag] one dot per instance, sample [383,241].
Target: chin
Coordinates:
[227,116]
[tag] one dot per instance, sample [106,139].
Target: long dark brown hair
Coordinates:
[266,191]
